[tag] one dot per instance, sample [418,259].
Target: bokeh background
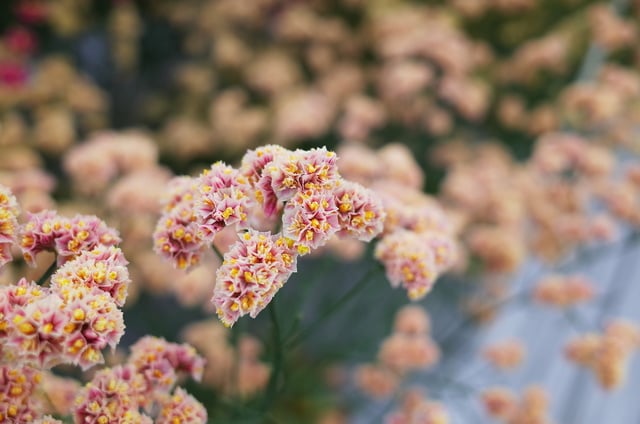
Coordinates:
[519,117]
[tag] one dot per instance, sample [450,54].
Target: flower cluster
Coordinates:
[177,235]
[505,355]
[503,405]
[607,355]
[303,187]
[72,319]
[67,237]
[8,224]
[18,403]
[415,259]
[563,291]
[409,348]
[231,370]
[418,242]
[143,385]
[253,270]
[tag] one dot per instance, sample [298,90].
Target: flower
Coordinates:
[182,408]
[505,355]
[159,362]
[103,267]
[408,260]
[311,218]
[8,224]
[253,270]
[112,396]
[563,291]
[47,230]
[224,199]
[255,167]
[177,236]
[17,401]
[360,211]
[301,170]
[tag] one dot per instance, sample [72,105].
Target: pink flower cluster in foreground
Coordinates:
[71,320]
[143,386]
[299,191]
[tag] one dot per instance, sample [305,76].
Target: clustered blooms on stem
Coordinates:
[144,386]
[607,355]
[77,315]
[418,243]
[408,349]
[69,319]
[303,187]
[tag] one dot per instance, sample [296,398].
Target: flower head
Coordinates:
[182,408]
[255,268]
[408,260]
[310,219]
[103,267]
[224,199]
[159,362]
[8,224]
[360,211]
[315,169]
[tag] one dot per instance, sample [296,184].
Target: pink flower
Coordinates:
[20,40]
[224,199]
[408,260]
[159,362]
[505,355]
[67,237]
[402,353]
[182,408]
[84,232]
[38,332]
[94,322]
[8,224]
[39,234]
[12,74]
[255,167]
[412,320]
[360,211]
[14,297]
[177,236]
[301,170]
[253,270]
[111,397]
[17,387]
[563,291]
[310,218]
[102,267]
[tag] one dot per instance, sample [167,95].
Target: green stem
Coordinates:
[357,288]
[272,386]
[218,253]
[48,273]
